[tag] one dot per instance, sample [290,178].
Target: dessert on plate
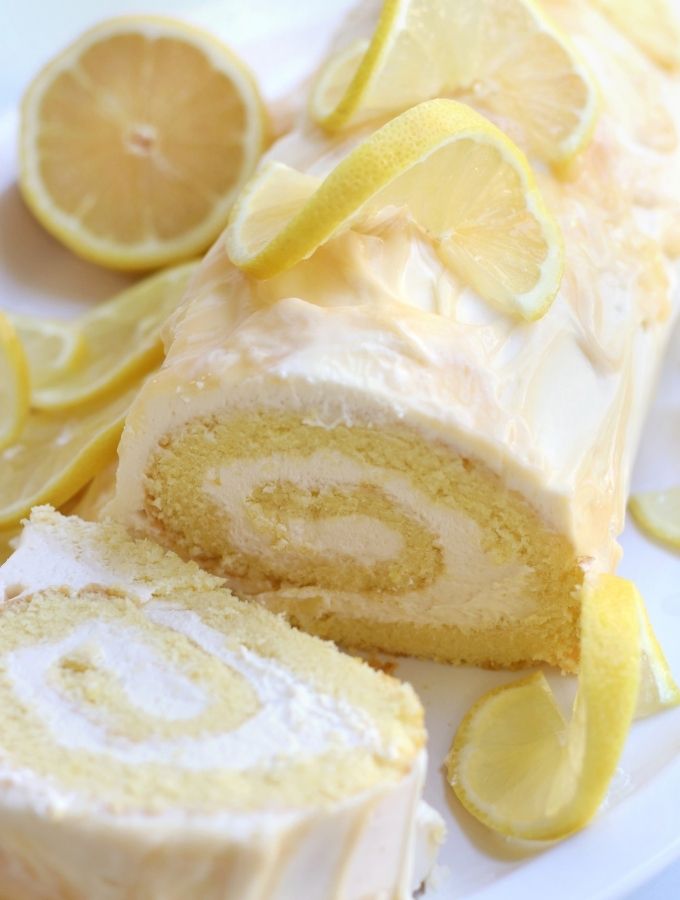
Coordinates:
[360,425]
[399,405]
[162,739]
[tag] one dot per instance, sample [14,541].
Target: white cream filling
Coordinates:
[294,718]
[356,535]
[43,561]
[472,588]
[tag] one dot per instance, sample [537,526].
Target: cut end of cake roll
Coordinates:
[370,535]
[313,466]
[163,739]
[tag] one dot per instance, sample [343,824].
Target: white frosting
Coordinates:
[277,855]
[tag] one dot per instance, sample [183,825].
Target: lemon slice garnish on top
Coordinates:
[507,56]
[57,453]
[460,179]
[519,767]
[122,339]
[135,139]
[658,514]
[14,383]
[651,24]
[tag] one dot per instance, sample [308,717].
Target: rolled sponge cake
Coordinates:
[162,739]
[364,444]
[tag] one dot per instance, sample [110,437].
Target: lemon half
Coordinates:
[135,140]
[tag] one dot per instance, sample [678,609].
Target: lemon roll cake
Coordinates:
[162,739]
[402,398]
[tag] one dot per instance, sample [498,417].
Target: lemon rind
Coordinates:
[367,71]
[16,364]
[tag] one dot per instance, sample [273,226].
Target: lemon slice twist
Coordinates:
[506,56]
[458,176]
[524,771]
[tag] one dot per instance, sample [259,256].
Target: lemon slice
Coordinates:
[658,514]
[651,24]
[519,767]
[461,179]
[507,56]
[135,140]
[658,689]
[53,349]
[122,339]
[58,453]
[14,383]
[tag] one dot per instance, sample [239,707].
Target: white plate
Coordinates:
[638,830]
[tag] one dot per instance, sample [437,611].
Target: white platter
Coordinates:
[637,833]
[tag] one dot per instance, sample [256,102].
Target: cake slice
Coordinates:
[162,739]
[366,445]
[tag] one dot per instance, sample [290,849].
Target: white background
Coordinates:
[638,831]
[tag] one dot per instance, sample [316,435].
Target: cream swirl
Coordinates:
[153,686]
